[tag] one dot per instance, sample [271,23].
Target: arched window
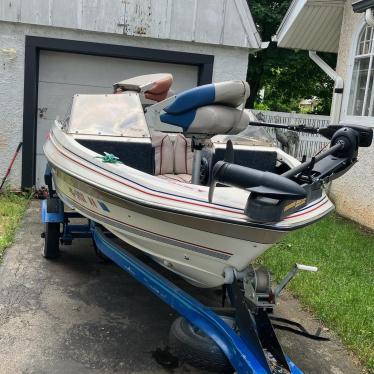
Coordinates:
[361,96]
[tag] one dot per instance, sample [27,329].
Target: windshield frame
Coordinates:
[114,115]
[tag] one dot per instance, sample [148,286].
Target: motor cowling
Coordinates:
[272,196]
[349,139]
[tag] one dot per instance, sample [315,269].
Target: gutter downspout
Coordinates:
[337,97]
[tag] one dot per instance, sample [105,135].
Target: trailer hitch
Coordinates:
[256,330]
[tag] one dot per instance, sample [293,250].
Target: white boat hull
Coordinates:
[179,248]
[172,222]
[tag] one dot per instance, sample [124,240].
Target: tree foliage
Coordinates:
[287,76]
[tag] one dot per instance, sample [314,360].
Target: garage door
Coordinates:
[61,75]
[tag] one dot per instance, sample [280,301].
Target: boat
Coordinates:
[193,180]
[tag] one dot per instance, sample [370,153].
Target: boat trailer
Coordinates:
[249,343]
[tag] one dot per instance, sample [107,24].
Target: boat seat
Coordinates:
[155,87]
[161,89]
[183,156]
[230,93]
[209,120]
[210,109]
[184,178]
[172,157]
[163,153]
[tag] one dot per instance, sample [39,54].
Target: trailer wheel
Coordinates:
[51,240]
[196,348]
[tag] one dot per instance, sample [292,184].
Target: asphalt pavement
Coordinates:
[80,315]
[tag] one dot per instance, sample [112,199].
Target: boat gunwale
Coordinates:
[177,210]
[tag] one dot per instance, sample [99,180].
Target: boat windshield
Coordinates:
[108,115]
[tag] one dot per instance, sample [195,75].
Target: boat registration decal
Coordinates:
[92,201]
[103,206]
[78,195]
[149,234]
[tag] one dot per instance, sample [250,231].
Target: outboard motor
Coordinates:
[264,160]
[270,192]
[274,196]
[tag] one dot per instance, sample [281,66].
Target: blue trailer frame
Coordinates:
[244,352]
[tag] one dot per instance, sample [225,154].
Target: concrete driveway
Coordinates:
[78,315]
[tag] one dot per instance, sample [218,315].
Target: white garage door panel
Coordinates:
[61,75]
[56,101]
[104,71]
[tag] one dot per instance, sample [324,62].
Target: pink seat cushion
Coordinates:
[164,153]
[160,89]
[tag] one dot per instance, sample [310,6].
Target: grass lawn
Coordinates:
[341,293]
[12,208]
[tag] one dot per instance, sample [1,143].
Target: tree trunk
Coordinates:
[255,87]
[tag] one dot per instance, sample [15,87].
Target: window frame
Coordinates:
[349,118]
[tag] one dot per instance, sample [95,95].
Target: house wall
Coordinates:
[229,63]
[353,193]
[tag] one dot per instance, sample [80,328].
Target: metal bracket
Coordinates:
[71,232]
[52,211]
[48,179]
[153,112]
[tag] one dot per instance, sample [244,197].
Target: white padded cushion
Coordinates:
[164,153]
[218,119]
[232,93]
[183,155]
[209,120]
[185,177]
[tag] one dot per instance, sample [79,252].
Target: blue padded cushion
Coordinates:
[192,99]
[183,120]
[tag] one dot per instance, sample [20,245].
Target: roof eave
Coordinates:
[301,29]
[248,24]
[362,5]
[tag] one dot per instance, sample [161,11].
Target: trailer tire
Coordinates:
[51,240]
[196,348]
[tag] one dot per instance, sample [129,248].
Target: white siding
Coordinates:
[183,24]
[353,193]
[203,21]
[209,21]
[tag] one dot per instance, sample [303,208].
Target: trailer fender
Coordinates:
[52,210]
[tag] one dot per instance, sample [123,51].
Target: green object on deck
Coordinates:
[109,158]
